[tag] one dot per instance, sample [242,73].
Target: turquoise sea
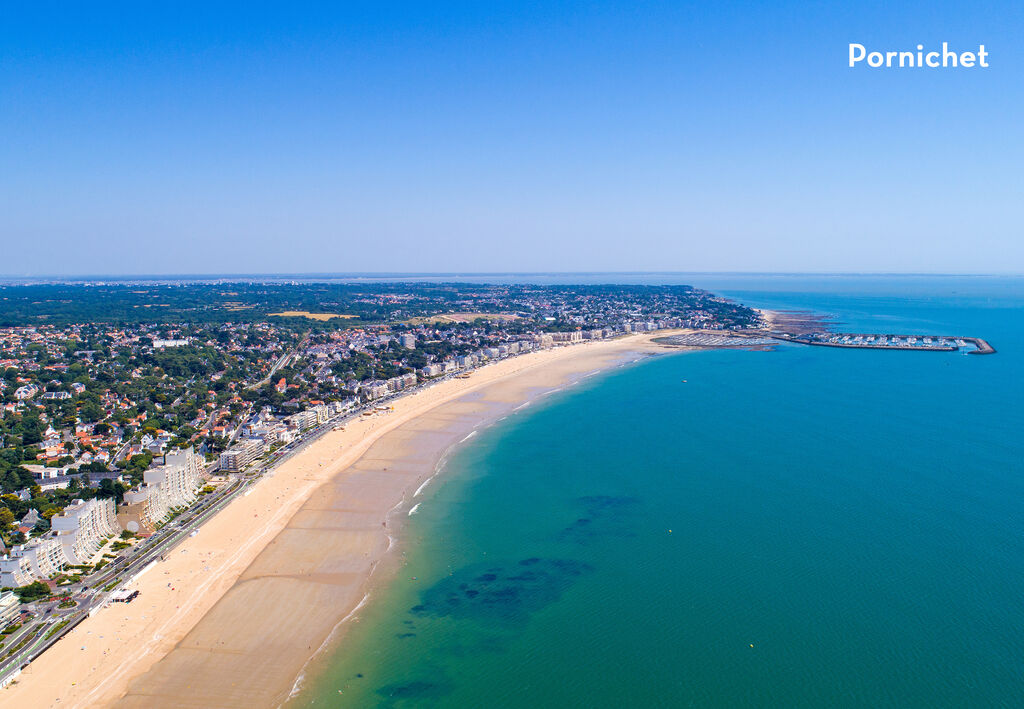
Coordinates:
[806,527]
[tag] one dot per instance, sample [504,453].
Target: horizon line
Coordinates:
[404,275]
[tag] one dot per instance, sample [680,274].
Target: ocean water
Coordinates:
[806,527]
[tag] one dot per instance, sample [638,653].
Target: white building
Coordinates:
[179,477]
[15,569]
[574,336]
[83,526]
[323,413]
[36,560]
[164,489]
[25,392]
[244,452]
[375,390]
[305,419]
[9,608]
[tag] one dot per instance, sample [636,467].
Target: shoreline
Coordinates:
[305,566]
[384,571]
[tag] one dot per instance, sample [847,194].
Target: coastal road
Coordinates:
[94,591]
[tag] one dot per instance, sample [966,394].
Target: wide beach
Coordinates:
[234,614]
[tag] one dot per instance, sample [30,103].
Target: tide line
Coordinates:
[423,485]
[300,680]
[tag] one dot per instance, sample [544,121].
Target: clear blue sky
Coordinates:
[492,136]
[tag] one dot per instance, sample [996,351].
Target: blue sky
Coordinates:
[486,136]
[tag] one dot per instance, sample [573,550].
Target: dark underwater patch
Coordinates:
[603,516]
[415,690]
[596,504]
[507,594]
[474,645]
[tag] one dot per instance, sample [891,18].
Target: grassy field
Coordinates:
[310,316]
[460,317]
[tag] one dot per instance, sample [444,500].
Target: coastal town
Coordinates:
[120,438]
[130,414]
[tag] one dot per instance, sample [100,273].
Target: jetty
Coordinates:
[875,341]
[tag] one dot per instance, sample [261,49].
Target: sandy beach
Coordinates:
[234,614]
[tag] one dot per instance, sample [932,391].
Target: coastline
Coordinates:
[234,615]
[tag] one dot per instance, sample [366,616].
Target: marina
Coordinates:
[922,343]
[714,340]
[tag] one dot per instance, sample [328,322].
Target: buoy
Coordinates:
[751,644]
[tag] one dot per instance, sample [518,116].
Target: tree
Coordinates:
[108,488]
[6,518]
[91,412]
[32,592]
[31,431]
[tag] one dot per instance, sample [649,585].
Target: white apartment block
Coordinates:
[574,336]
[38,559]
[323,413]
[164,489]
[180,476]
[15,570]
[376,390]
[82,527]
[10,609]
[305,419]
[241,454]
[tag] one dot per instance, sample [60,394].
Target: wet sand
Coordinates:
[236,613]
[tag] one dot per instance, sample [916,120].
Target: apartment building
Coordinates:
[83,525]
[244,452]
[10,608]
[15,569]
[35,560]
[164,488]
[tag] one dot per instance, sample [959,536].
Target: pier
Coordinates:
[874,341]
